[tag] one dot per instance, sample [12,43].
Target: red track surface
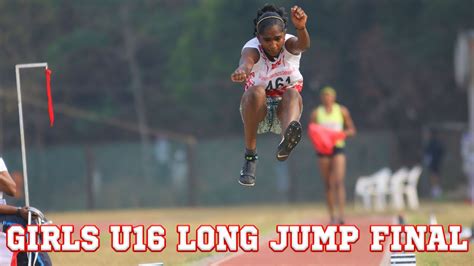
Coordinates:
[360,254]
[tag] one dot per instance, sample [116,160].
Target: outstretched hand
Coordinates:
[298,17]
[239,75]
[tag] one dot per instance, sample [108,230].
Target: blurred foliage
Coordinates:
[391,61]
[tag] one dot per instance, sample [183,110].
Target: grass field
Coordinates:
[265,217]
[446,213]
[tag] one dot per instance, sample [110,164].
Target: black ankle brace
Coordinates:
[251,157]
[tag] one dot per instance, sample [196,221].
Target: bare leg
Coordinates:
[289,108]
[325,169]
[338,172]
[254,110]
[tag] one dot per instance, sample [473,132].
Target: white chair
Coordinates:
[367,187]
[410,187]
[396,188]
[364,189]
[381,182]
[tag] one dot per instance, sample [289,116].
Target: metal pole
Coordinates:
[22,135]
[470,35]
[22,130]
[45,65]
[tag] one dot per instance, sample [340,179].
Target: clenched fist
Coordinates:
[239,75]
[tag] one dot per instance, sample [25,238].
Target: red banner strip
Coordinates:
[50,97]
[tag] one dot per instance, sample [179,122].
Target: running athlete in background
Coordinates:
[269,66]
[333,166]
[433,159]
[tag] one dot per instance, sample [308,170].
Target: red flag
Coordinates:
[14,260]
[324,139]
[50,97]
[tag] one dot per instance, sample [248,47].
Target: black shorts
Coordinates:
[336,150]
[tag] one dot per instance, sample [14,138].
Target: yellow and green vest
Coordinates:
[333,120]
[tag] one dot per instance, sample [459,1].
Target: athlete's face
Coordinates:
[272,40]
[328,98]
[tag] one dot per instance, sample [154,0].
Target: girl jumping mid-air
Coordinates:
[269,66]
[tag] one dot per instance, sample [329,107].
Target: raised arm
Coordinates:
[349,127]
[302,41]
[248,58]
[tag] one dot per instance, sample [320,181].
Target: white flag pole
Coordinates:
[22,135]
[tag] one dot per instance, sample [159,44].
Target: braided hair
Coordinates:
[268,16]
